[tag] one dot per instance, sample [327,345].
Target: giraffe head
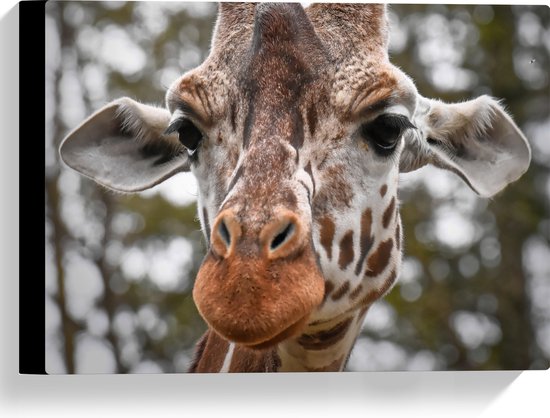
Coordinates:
[296,127]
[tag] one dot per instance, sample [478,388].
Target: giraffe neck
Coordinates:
[216,355]
[325,348]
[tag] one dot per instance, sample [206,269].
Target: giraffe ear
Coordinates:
[475,139]
[123,147]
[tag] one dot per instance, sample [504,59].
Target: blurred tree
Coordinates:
[474,289]
[143,320]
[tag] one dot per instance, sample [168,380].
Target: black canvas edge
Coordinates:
[32,329]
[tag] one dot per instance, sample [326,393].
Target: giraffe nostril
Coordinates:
[282,236]
[224,233]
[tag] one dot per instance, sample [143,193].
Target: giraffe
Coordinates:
[296,127]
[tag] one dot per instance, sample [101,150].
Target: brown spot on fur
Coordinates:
[336,175]
[346,250]
[366,239]
[356,292]
[297,135]
[388,213]
[233,116]
[383,190]
[289,199]
[311,118]
[336,192]
[341,291]
[327,234]
[329,287]
[378,261]
[325,338]
[378,293]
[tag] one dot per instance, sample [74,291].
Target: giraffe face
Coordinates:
[297,182]
[296,131]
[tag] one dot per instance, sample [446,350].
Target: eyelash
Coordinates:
[385,131]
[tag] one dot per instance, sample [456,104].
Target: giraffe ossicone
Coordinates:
[296,127]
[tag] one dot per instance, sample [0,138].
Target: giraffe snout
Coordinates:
[260,282]
[283,236]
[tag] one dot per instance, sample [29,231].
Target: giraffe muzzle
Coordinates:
[258,286]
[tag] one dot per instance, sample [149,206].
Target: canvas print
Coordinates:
[272,187]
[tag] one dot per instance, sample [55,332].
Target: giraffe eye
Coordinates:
[189,135]
[384,132]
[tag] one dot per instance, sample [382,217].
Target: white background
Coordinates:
[485,394]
